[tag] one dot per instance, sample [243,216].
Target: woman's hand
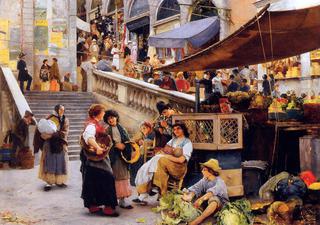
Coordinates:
[140,142]
[120,146]
[99,151]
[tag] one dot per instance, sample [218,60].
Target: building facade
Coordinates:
[43,29]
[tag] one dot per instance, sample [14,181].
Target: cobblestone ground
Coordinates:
[21,193]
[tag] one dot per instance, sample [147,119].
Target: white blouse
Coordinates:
[89,132]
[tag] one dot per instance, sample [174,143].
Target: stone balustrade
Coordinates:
[138,94]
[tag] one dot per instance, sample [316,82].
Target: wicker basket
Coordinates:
[25,158]
[27,163]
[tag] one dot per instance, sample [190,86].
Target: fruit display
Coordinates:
[311,108]
[278,105]
[260,102]
[239,100]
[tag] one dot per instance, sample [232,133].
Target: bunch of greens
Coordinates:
[238,212]
[174,210]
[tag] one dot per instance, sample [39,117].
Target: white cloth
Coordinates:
[217,83]
[116,58]
[89,132]
[47,126]
[145,173]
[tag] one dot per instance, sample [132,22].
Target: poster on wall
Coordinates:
[14,44]
[4,33]
[41,37]
[4,56]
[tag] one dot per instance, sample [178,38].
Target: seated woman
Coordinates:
[98,188]
[165,164]
[211,189]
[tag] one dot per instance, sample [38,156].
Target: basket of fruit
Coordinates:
[311,108]
[239,100]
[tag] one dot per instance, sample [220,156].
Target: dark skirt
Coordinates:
[98,187]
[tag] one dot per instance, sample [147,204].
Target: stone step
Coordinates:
[74,158]
[29,94]
[67,111]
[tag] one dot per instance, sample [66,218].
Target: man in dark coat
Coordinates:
[20,133]
[23,73]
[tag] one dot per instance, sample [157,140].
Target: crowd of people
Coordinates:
[108,171]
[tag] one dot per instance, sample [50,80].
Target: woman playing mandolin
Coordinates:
[98,189]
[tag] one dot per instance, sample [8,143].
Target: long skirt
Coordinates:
[53,166]
[122,178]
[98,187]
[145,174]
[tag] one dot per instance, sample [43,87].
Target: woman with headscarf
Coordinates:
[120,151]
[54,158]
[98,188]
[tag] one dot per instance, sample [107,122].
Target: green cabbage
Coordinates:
[235,213]
[174,210]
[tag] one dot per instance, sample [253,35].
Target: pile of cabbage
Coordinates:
[175,211]
[235,213]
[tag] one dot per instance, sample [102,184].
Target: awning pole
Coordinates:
[197,102]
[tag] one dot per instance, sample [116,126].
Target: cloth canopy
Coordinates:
[270,35]
[82,25]
[196,33]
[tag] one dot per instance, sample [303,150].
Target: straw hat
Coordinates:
[212,164]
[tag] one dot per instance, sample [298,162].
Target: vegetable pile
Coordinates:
[174,210]
[238,212]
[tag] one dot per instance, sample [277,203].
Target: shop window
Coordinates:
[138,7]
[168,8]
[96,3]
[203,9]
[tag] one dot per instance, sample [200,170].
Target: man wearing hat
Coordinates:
[211,190]
[23,73]
[20,133]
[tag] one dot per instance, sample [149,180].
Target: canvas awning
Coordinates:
[270,35]
[196,33]
[82,25]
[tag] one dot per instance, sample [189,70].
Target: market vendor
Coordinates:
[211,190]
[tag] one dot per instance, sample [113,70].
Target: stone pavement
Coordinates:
[22,192]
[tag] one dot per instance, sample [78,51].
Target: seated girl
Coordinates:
[158,169]
[211,190]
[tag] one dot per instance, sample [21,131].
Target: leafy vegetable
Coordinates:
[174,210]
[238,212]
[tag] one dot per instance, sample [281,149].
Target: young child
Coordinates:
[210,189]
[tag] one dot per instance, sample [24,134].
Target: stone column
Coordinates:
[73,40]
[223,14]
[306,81]
[28,33]
[185,10]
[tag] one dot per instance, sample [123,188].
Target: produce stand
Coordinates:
[217,136]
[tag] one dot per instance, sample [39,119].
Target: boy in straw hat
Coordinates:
[210,189]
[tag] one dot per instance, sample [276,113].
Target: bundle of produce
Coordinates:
[260,102]
[174,210]
[239,100]
[238,212]
[281,213]
[290,187]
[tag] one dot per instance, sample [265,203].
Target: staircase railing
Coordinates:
[13,104]
[138,94]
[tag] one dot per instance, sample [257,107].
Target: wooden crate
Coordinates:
[213,131]
[233,180]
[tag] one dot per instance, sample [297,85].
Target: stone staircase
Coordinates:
[76,108]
